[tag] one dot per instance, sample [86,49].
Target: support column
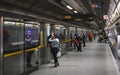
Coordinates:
[68,37]
[45,42]
[1,45]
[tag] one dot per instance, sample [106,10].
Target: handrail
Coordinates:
[64,41]
[20,52]
[29,50]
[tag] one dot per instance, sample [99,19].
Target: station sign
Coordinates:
[67,17]
[78,17]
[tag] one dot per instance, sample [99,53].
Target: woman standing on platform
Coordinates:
[54,48]
[75,42]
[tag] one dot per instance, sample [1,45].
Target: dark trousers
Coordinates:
[79,47]
[76,46]
[84,43]
[90,39]
[94,37]
[29,56]
[54,52]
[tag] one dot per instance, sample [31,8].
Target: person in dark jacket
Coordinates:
[79,38]
[28,45]
[83,39]
[54,48]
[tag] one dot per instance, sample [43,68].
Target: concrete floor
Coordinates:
[95,59]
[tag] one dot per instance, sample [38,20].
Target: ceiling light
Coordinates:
[69,7]
[9,23]
[75,11]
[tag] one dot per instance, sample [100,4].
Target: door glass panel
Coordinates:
[13,37]
[32,42]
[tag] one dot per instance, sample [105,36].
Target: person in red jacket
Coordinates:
[90,36]
[75,42]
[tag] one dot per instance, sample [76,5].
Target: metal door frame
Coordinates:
[1,45]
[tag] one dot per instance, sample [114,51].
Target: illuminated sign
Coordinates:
[105,17]
[67,17]
[93,5]
[78,19]
[99,5]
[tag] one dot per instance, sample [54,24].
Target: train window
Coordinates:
[13,43]
[32,41]
[61,32]
[15,32]
[32,32]
[19,38]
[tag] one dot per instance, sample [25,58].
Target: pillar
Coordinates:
[1,45]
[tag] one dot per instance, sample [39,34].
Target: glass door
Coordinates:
[32,42]
[13,46]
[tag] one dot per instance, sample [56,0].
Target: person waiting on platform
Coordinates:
[75,42]
[90,36]
[54,48]
[83,39]
[79,38]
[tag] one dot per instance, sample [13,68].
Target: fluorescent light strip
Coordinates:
[75,11]
[69,7]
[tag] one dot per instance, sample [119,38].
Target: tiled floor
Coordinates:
[96,59]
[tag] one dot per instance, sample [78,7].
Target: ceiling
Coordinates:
[56,9]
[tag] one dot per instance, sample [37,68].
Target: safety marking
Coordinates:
[21,52]
[29,50]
